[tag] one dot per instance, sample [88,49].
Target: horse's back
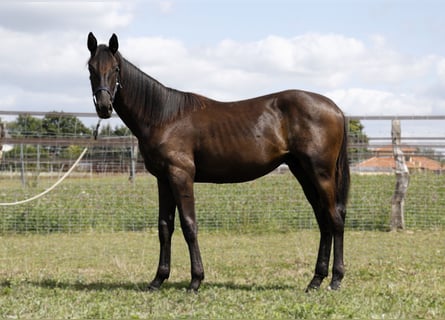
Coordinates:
[243,140]
[293,104]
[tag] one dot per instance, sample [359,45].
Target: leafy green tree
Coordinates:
[120,131]
[2,135]
[358,141]
[72,151]
[2,129]
[26,126]
[52,125]
[59,124]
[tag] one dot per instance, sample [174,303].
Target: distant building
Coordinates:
[383,161]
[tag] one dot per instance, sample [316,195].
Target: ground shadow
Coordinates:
[144,286]
[248,287]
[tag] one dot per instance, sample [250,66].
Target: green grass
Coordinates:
[272,203]
[250,276]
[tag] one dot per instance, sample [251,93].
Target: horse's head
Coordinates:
[104,74]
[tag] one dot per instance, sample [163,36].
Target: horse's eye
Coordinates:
[93,74]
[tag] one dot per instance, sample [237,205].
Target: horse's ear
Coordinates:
[92,43]
[113,44]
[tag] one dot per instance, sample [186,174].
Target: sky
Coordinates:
[372,57]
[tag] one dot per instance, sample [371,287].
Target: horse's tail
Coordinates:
[342,176]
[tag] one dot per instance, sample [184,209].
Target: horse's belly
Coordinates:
[233,172]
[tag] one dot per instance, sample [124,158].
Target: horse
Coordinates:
[186,138]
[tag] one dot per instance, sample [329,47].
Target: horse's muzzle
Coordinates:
[104,112]
[103,104]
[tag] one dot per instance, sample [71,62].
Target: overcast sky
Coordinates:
[372,57]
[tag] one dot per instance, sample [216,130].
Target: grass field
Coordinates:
[253,276]
[272,203]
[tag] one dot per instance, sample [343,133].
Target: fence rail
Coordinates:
[99,195]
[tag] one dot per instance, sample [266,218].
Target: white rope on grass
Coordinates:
[52,187]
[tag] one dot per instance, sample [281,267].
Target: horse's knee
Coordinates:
[189,229]
[337,220]
[165,230]
[341,210]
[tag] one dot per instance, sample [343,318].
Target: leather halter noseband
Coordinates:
[107,89]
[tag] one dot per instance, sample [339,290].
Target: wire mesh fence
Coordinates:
[109,189]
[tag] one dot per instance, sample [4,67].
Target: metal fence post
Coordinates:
[133,159]
[22,166]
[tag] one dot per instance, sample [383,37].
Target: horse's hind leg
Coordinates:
[319,187]
[338,269]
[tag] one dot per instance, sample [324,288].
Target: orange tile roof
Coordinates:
[415,162]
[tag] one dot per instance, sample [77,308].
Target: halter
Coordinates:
[112,95]
[107,89]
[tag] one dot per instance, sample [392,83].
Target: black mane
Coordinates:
[156,103]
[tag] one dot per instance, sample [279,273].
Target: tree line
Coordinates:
[58,125]
[53,125]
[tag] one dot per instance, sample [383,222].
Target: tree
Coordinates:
[72,151]
[2,135]
[26,126]
[2,130]
[120,131]
[358,141]
[52,125]
[60,124]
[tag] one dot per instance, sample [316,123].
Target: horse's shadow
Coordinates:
[144,286]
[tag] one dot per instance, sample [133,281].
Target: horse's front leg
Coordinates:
[166,226]
[182,185]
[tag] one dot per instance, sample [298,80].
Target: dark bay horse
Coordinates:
[186,138]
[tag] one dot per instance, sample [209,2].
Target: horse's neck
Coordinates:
[143,102]
[131,104]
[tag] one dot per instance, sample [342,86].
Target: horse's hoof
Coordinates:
[311,288]
[194,286]
[334,285]
[315,283]
[151,288]
[192,291]
[154,286]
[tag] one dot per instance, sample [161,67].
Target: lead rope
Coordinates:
[52,187]
[96,131]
